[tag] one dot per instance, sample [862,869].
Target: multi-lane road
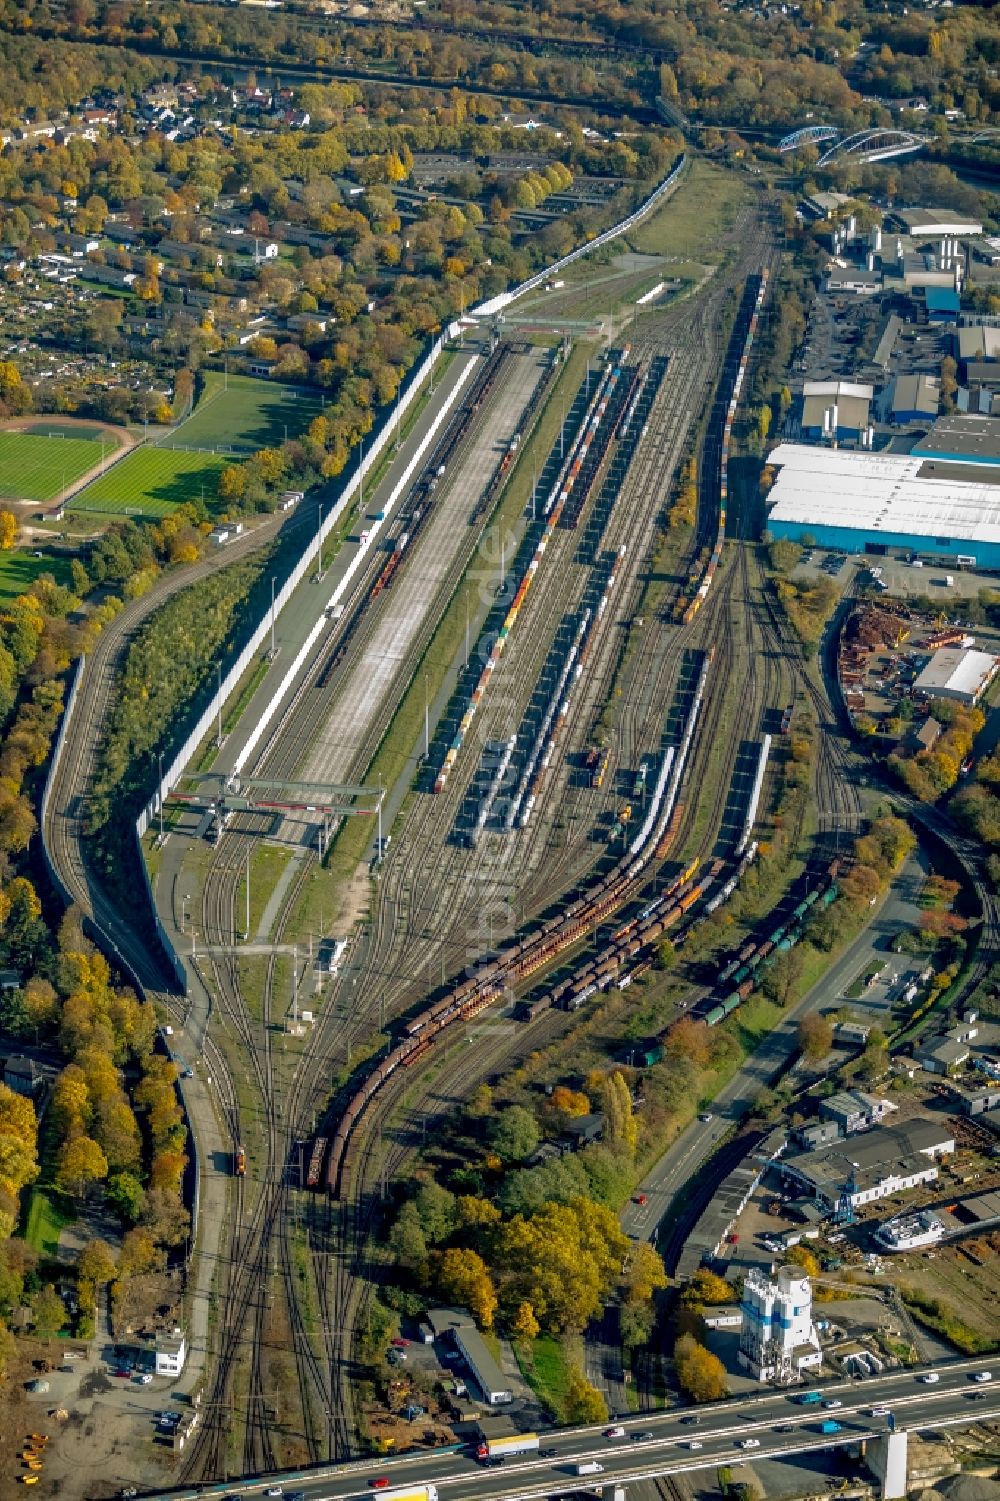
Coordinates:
[768,1425]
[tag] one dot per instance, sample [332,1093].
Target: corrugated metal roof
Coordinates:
[878,492]
[958,671]
[837,388]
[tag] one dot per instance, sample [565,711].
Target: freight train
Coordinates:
[740,976]
[701,593]
[525,955]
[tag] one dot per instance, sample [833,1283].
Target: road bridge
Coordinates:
[760,1425]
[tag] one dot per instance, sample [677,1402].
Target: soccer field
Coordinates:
[33,467]
[153,482]
[245,414]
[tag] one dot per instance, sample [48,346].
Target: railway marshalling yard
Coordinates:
[397,694]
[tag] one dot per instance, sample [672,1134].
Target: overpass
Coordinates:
[760,1425]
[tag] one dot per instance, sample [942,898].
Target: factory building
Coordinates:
[979,341]
[962,438]
[943,304]
[915,398]
[954,673]
[932,222]
[778,1338]
[835,407]
[858,501]
[854,1110]
[872,1165]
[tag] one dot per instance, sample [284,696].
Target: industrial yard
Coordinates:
[527,805]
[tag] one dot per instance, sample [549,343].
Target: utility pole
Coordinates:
[534,496]
[502,565]
[248,897]
[427,722]
[295,986]
[467,627]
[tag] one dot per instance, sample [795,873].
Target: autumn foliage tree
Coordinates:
[463,1277]
[700,1373]
[815,1035]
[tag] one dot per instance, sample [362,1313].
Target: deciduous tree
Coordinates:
[700,1373]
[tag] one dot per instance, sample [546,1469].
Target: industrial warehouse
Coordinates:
[860,501]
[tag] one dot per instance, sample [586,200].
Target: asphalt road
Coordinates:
[680,1440]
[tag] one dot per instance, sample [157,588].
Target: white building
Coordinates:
[961,675]
[778,1339]
[907,1232]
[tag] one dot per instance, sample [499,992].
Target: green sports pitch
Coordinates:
[37,467]
[240,414]
[152,482]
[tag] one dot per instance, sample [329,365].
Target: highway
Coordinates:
[664,1443]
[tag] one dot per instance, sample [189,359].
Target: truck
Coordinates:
[590,1467]
[412,1493]
[511,1443]
[810,1399]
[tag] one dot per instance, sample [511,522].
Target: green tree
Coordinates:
[48,1312]
[514,1134]
[407,1240]
[125,1195]
[436,1212]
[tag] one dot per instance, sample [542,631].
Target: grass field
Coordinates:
[244,414]
[694,216]
[20,568]
[152,482]
[33,467]
[45,1221]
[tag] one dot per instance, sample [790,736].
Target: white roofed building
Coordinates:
[936,221]
[954,673]
[859,501]
[835,406]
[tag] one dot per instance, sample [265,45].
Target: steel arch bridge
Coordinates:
[808,135]
[876,145]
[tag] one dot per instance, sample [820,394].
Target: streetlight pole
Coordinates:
[247,930]
[218,695]
[159,758]
[273,582]
[319,541]
[427,722]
